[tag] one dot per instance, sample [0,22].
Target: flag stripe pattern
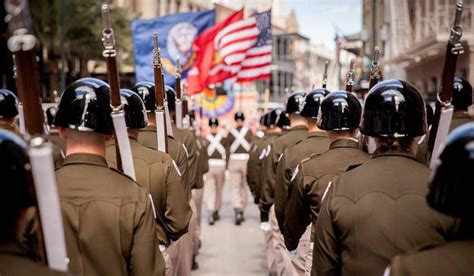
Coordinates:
[245,47]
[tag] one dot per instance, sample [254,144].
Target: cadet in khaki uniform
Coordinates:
[158,174]
[215,177]
[17,205]
[317,142]
[378,209]
[340,117]
[298,132]
[238,142]
[108,218]
[450,193]
[147,135]
[273,131]
[252,173]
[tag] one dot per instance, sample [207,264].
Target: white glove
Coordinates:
[265,226]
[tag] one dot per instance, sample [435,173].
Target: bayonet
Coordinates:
[350,77]
[375,68]
[325,75]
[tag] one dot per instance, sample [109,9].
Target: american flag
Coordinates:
[245,49]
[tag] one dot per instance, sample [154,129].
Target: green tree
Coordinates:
[82,32]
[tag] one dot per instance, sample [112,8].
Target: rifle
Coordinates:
[179,104]
[350,77]
[375,68]
[161,133]
[122,143]
[325,75]
[40,151]
[444,109]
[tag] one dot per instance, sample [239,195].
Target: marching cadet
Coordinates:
[317,142]
[462,99]
[108,218]
[17,208]
[297,132]
[187,139]
[215,177]
[158,173]
[340,116]
[238,142]
[8,110]
[450,193]
[272,131]
[147,135]
[252,172]
[377,210]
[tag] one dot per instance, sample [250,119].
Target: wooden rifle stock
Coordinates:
[159,86]
[350,75]
[375,68]
[453,50]
[185,100]
[325,75]
[178,80]
[110,55]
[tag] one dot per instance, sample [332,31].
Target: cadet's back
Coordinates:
[108,219]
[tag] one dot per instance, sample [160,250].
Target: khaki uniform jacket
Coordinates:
[316,143]
[203,163]
[450,258]
[240,149]
[108,219]
[187,138]
[256,176]
[59,148]
[310,182]
[177,151]
[374,212]
[15,262]
[158,174]
[252,163]
[269,164]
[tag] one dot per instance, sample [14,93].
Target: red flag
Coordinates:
[207,55]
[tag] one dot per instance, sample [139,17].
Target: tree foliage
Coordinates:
[82,28]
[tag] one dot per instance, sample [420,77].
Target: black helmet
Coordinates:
[135,113]
[312,101]
[282,120]
[213,122]
[340,110]
[462,93]
[170,97]
[85,106]
[451,187]
[239,116]
[8,104]
[295,102]
[146,91]
[394,108]
[273,117]
[262,119]
[50,114]
[17,188]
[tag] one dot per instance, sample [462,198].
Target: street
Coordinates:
[228,249]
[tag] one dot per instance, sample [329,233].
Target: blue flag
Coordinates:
[176,34]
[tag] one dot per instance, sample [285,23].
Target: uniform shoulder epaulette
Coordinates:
[351,167]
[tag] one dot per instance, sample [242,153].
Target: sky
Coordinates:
[318,19]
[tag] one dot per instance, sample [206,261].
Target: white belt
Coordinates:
[239,156]
[217,162]
[162,247]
